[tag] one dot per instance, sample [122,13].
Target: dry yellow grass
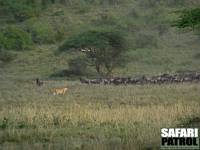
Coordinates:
[95,117]
[44,115]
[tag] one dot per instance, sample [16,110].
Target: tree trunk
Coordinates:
[98,68]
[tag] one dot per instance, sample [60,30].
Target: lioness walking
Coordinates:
[59,91]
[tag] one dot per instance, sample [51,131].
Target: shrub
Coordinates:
[189,18]
[4,123]
[21,10]
[13,37]
[42,32]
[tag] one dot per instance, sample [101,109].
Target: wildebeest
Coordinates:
[38,82]
[85,81]
[160,79]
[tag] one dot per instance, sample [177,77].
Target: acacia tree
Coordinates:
[104,48]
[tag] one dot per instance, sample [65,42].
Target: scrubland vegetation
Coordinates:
[34,32]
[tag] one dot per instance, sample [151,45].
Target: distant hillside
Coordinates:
[154,46]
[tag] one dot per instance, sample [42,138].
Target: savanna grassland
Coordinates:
[94,117]
[97,117]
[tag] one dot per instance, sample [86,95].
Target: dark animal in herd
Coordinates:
[160,79]
[38,82]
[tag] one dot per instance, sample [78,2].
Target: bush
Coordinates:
[21,10]
[13,37]
[189,18]
[42,32]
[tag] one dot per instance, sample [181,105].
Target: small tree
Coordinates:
[105,48]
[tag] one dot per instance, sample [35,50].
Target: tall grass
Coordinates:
[87,117]
[48,115]
[101,117]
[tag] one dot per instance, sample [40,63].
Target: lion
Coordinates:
[59,91]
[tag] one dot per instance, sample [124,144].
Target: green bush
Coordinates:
[4,123]
[42,32]
[21,10]
[13,37]
[189,18]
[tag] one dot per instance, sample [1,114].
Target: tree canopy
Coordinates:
[99,39]
[104,47]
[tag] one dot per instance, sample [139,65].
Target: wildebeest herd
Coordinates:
[160,79]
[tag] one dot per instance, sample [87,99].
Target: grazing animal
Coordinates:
[85,81]
[59,91]
[38,82]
